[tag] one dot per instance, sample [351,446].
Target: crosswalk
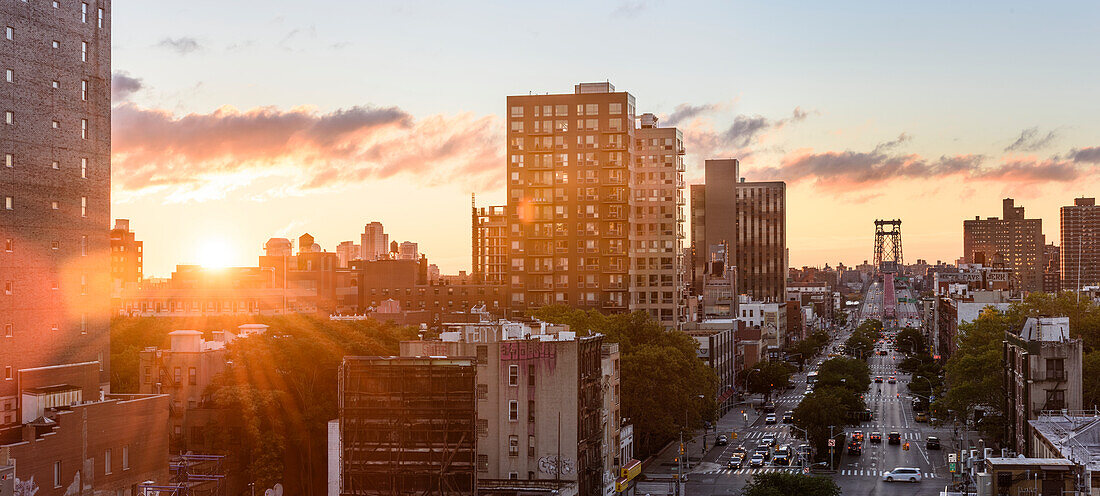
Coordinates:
[856,472]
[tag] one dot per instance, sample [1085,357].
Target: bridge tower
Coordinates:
[888,256]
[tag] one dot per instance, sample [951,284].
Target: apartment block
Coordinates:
[374,242]
[714,217]
[544,412]
[761,254]
[1014,241]
[1080,251]
[657,268]
[347,251]
[1042,374]
[490,244]
[126,255]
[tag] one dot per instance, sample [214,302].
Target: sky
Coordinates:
[235,122]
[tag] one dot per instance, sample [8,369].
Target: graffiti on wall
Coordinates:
[549,465]
[546,352]
[26,487]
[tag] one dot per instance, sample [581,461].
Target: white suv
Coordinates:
[903,474]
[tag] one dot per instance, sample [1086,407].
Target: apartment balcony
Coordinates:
[540,166]
[540,270]
[615,286]
[540,287]
[616,146]
[612,164]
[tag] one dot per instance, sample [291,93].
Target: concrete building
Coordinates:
[1032,476]
[407,426]
[1052,268]
[1071,436]
[408,250]
[1080,250]
[770,317]
[544,413]
[374,243]
[126,255]
[347,251]
[1042,373]
[490,244]
[718,296]
[716,349]
[718,198]
[1016,240]
[657,222]
[415,299]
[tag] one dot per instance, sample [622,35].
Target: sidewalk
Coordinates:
[664,463]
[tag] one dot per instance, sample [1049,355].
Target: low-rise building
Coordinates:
[770,317]
[1028,476]
[1042,367]
[716,349]
[1073,436]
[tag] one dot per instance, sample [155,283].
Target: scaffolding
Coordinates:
[407,426]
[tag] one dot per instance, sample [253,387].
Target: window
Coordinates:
[56,44]
[513,375]
[55,124]
[482,354]
[482,463]
[100,19]
[83,168]
[9,117]
[9,75]
[84,246]
[8,331]
[513,406]
[56,4]
[530,410]
[57,474]
[7,288]
[9,160]
[8,245]
[530,376]
[83,12]
[83,206]
[54,205]
[513,445]
[107,462]
[83,51]
[513,475]
[9,203]
[7,373]
[83,128]
[531,445]
[1056,369]
[84,90]
[192,376]
[9,33]
[54,245]
[55,165]
[177,375]
[125,449]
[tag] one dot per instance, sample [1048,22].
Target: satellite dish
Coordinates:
[269,492]
[278,489]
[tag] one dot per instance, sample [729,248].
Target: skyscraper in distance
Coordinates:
[1080,250]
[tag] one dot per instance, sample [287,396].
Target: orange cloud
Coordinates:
[199,155]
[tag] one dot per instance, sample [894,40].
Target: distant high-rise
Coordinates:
[761,253]
[374,242]
[1013,241]
[126,255]
[347,251]
[750,218]
[657,234]
[408,250]
[583,203]
[1080,256]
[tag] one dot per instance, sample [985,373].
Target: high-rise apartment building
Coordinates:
[750,218]
[126,255]
[1052,268]
[1080,256]
[408,250]
[1014,241]
[490,244]
[657,219]
[347,251]
[55,143]
[374,242]
[761,254]
[57,415]
[571,199]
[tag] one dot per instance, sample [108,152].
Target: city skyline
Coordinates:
[865,129]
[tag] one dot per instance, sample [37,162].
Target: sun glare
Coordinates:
[214,253]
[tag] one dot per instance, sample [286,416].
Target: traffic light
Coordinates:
[905,446]
[681,448]
[735,435]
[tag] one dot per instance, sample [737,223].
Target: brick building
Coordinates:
[1013,240]
[126,256]
[1080,251]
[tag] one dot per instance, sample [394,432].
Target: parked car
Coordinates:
[721,440]
[788,418]
[903,474]
[876,437]
[894,438]
[933,443]
[770,419]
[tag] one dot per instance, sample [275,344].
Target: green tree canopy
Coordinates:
[764,377]
[975,374]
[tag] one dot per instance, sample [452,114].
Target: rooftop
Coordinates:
[1076,435]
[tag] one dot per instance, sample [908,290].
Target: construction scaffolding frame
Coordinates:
[408,426]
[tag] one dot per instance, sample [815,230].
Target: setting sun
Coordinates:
[214,253]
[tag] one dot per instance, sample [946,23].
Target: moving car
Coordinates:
[894,438]
[855,448]
[876,437]
[757,460]
[882,352]
[857,436]
[878,379]
[768,441]
[920,416]
[892,380]
[788,418]
[764,452]
[736,461]
[781,460]
[770,419]
[722,440]
[933,443]
[903,474]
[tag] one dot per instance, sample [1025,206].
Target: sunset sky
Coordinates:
[239,121]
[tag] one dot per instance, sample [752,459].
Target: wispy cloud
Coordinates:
[629,9]
[1030,140]
[123,85]
[182,45]
[207,155]
[685,112]
[1090,155]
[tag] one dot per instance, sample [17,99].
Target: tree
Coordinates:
[659,369]
[910,341]
[786,484]
[764,377]
[1091,380]
[975,374]
[849,373]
